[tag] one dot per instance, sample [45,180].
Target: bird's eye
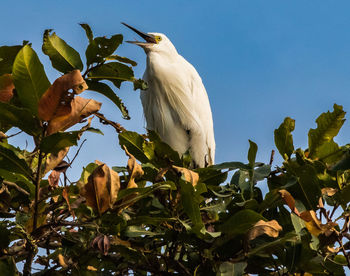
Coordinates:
[159,38]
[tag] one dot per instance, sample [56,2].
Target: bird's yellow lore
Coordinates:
[176,104]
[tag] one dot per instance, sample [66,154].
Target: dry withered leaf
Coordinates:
[116,241]
[58,93]
[53,160]
[101,243]
[289,200]
[91,268]
[102,188]
[329,191]
[189,175]
[270,228]
[6,88]
[61,260]
[65,195]
[79,109]
[315,226]
[135,170]
[54,178]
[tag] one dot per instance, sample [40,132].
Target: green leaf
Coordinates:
[19,117]
[284,138]
[63,57]
[8,266]
[88,31]
[133,142]
[115,72]
[211,176]
[105,90]
[4,237]
[10,161]
[231,166]
[29,78]
[7,57]
[240,222]
[328,126]
[140,84]
[137,231]
[122,59]
[253,148]
[231,269]
[190,203]
[58,141]
[102,47]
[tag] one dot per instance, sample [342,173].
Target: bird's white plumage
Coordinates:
[176,104]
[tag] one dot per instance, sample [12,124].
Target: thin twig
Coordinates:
[272,156]
[12,135]
[76,154]
[14,185]
[105,121]
[343,250]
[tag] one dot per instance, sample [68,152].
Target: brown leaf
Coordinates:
[315,226]
[189,175]
[289,200]
[61,260]
[65,195]
[91,268]
[67,116]
[329,191]
[54,178]
[53,160]
[135,170]
[270,228]
[58,94]
[101,243]
[6,88]
[102,188]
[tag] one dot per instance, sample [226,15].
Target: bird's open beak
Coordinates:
[148,37]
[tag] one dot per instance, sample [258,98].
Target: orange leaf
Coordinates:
[289,200]
[102,188]
[270,228]
[189,175]
[6,88]
[58,93]
[135,170]
[54,178]
[66,117]
[329,191]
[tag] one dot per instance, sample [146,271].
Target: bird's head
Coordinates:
[154,42]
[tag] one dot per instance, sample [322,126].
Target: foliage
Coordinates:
[156,215]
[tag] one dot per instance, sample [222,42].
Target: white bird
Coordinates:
[176,104]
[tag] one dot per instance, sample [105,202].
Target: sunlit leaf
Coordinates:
[284,138]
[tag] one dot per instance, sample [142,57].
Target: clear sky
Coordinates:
[259,60]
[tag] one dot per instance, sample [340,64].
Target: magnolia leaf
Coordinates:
[328,126]
[270,228]
[29,78]
[289,200]
[101,47]
[115,72]
[19,117]
[79,109]
[105,90]
[134,169]
[134,143]
[88,31]
[7,57]
[11,162]
[315,226]
[122,59]
[284,138]
[101,190]
[63,57]
[6,88]
[51,102]
[188,175]
[253,148]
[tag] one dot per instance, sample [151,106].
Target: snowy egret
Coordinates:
[176,104]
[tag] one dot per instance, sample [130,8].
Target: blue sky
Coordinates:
[259,60]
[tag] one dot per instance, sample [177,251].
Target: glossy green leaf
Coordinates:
[230,166]
[60,140]
[231,269]
[19,117]
[122,59]
[10,161]
[105,90]
[211,176]
[115,72]
[328,126]
[101,47]
[7,57]
[253,149]
[88,31]
[29,78]
[284,138]
[63,57]
[133,142]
